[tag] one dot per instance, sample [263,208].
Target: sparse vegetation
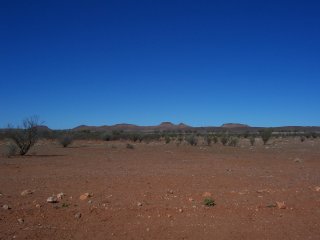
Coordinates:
[208,139]
[209,202]
[192,140]
[26,136]
[167,139]
[65,141]
[233,141]
[252,140]
[11,149]
[224,139]
[266,135]
[215,139]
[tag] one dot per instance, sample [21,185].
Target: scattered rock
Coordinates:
[148,229]
[180,210]
[77,215]
[317,189]
[6,207]
[20,220]
[60,195]
[206,194]
[281,205]
[139,204]
[170,191]
[297,160]
[52,199]
[191,199]
[85,196]
[26,192]
[90,201]
[38,205]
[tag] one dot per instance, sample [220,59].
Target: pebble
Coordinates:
[139,204]
[180,210]
[85,196]
[6,207]
[20,220]
[52,199]
[60,195]
[281,205]
[77,215]
[26,192]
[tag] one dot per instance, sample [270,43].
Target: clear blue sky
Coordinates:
[144,62]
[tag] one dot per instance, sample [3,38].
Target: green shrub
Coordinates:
[65,141]
[192,140]
[215,139]
[209,202]
[11,149]
[208,140]
[167,139]
[107,137]
[233,141]
[302,138]
[266,135]
[224,140]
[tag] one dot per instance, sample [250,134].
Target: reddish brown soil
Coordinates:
[244,182]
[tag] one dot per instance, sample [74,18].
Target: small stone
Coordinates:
[191,199]
[180,210]
[52,199]
[90,201]
[38,205]
[6,207]
[317,189]
[281,205]
[85,196]
[60,195]
[206,194]
[77,215]
[139,204]
[148,229]
[170,191]
[20,220]
[26,192]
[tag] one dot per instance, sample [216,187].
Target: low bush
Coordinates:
[11,149]
[209,202]
[65,141]
[192,140]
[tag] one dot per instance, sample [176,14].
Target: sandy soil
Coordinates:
[156,191]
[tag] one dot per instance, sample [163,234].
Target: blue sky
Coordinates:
[144,62]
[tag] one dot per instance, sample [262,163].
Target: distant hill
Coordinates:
[169,126]
[234,125]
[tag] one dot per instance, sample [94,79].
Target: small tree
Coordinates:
[266,135]
[26,136]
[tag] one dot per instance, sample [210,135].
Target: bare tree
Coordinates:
[26,135]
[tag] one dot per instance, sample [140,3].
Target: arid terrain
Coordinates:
[156,191]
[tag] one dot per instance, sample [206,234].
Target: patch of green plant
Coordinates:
[209,202]
[65,205]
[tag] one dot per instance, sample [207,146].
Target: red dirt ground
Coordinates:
[170,183]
